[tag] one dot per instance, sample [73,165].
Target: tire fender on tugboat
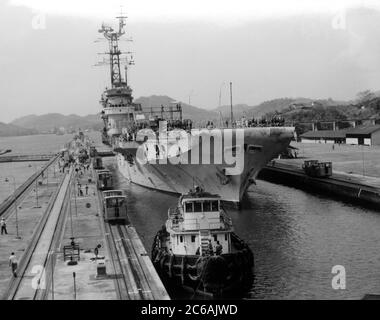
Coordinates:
[183,266]
[215,272]
[170,266]
[199,267]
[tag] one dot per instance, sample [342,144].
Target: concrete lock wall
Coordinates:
[304,140]
[317,140]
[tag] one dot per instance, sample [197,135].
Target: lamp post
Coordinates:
[220,94]
[75,199]
[232,114]
[37,206]
[70,212]
[363,159]
[52,274]
[16,211]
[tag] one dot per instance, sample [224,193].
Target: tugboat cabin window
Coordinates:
[206,206]
[189,206]
[197,206]
[192,238]
[215,237]
[215,205]
[180,238]
[225,236]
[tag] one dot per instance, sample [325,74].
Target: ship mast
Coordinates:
[232,114]
[114,52]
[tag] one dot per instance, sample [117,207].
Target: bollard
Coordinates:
[75,287]
[101,269]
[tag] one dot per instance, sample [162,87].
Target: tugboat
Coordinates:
[198,250]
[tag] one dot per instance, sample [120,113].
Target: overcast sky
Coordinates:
[268,49]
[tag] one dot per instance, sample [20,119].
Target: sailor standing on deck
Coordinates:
[210,248]
[218,249]
[3,226]
[13,263]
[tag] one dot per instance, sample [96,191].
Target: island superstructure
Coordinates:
[177,156]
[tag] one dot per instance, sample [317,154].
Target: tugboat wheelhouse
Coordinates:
[196,218]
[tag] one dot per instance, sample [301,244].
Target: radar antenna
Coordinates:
[114,52]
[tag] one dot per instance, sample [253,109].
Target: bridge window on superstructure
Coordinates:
[206,206]
[215,205]
[189,207]
[181,239]
[197,206]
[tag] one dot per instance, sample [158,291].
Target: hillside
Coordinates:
[8,130]
[364,110]
[52,121]
[272,106]
[322,110]
[189,111]
[366,105]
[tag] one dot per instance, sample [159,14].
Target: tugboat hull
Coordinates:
[216,276]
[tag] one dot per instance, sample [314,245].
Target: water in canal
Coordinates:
[297,238]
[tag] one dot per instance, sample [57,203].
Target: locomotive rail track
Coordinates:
[135,276]
[139,279]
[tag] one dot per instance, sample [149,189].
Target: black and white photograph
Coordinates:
[189,156]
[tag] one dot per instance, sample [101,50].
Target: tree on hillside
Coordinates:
[364,96]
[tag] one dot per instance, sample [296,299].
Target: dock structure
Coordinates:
[25,213]
[35,259]
[22,190]
[348,186]
[27,158]
[56,259]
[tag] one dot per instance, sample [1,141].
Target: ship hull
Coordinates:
[179,178]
